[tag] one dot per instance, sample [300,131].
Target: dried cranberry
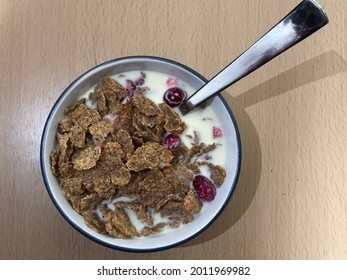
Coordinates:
[139,82]
[130,86]
[217,132]
[171,82]
[172,141]
[174,96]
[204,187]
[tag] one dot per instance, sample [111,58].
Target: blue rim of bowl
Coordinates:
[125,249]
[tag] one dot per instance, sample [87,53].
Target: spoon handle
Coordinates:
[300,23]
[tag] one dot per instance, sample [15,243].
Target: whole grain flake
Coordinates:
[149,156]
[86,158]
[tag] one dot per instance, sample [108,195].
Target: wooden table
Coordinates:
[291,199]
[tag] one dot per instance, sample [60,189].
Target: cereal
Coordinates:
[77,136]
[144,105]
[154,188]
[141,122]
[168,198]
[179,177]
[152,230]
[72,185]
[116,150]
[144,215]
[120,176]
[86,158]
[100,99]
[159,129]
[107,83]
[90,176]
[173,122]
[132,189]
[173,209]
[191,202]
[124,119]
[180,154]
[194,150]
[66,124]
[198,150]
[112,154]
[148,156]
[207,149]
[54,163]
[69,110]
[141,211]
[107,215]
[66,170]
[83,115]
[100,129]
[89,202]
[217,174]
[92,220]
[194,167]
[122,223]
[103,186]
[142,137]
[74,200]
[65,150]
[124,139]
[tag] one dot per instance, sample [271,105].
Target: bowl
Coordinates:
[164,240]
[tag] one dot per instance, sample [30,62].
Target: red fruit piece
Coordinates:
[139,81]
[204,187]
[172,141]
[130,86]
[174,96]
[217,132]
[171,82]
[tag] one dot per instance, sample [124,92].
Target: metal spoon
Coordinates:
[300,23]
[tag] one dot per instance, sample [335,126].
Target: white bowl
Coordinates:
[160,241]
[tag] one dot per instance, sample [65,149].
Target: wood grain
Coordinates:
[291,199]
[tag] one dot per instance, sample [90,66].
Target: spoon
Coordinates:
[300,23]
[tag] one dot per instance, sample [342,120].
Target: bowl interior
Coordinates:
[160,241]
